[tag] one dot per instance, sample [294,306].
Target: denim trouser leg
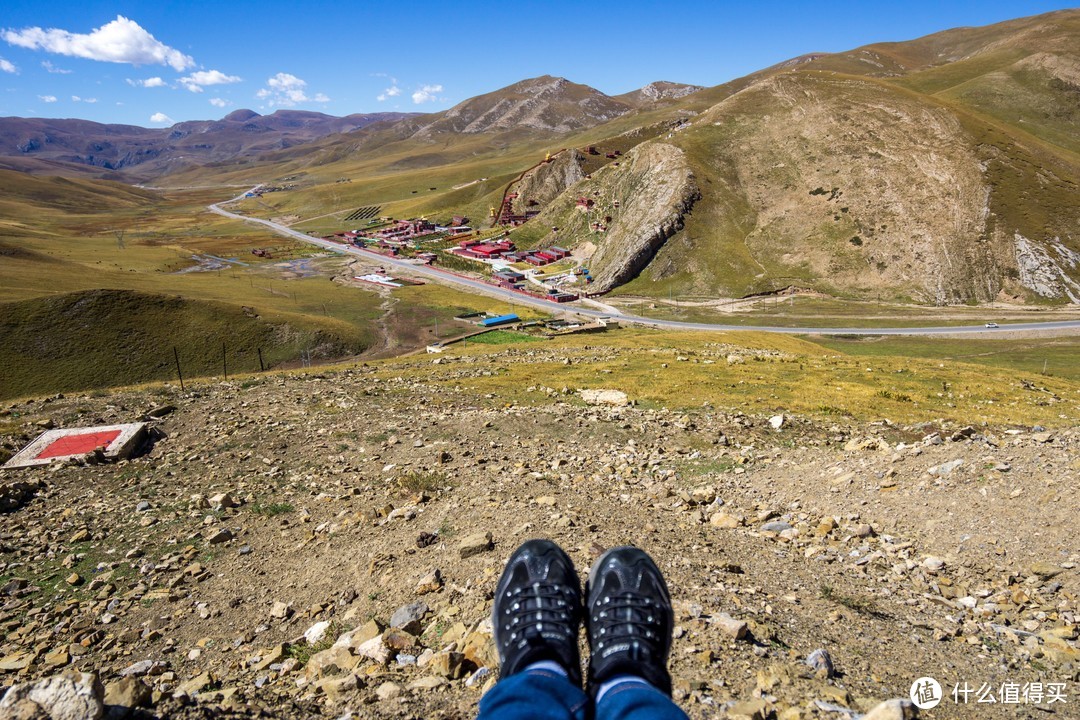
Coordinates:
[534,695]
[637,701]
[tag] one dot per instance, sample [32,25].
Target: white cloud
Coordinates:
[7,66]
[147,83]
[53,69]
[426,94]
[47,98]
[219,102]
[160,117]
[197,80]
[76,98]
[119,41]
[392,91]
[287,90]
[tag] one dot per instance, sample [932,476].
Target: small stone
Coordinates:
[332,661]
[316,632]
[604,397]
[74,579]
[375,649]
[475,544]
[220,536]
[737,629]
[388,691]
[478,677]
[127,692]
[1046,570]
[448,664]
[776,422]
[360,635]
[80,536]
[275,655]
[726,520]
[222,501]
[826,526]
[143,667]
[410,614]
[161,411]
[749,710]
[945,468]
[777,526]
[432,582]
[280,610]
[896,709]
[335,686]
[195,685]
[933,564]
[58,659]
[428,683]
[821,662]
[143,506]
[17,661]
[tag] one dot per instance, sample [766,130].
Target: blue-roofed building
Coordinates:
[500,320]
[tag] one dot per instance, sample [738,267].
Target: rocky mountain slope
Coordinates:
[548,104]
[326,545]
[941,171]
[657,92]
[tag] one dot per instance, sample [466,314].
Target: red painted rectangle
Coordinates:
[78,444]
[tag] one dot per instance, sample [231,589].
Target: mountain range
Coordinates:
[68,146]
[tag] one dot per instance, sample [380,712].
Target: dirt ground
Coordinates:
[326,503]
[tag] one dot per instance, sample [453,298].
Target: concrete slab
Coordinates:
[116,442]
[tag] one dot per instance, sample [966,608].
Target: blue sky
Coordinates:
[152,64]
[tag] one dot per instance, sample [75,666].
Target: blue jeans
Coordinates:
[545,695]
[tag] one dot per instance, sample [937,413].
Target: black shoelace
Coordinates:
[538,609]
[626,617]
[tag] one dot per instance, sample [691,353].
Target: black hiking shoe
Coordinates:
[628,619]
[537,610]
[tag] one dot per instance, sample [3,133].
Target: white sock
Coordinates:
[549,665]
[615,682]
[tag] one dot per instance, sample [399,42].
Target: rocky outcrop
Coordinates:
[547,181]
[1043,273]
[656,190]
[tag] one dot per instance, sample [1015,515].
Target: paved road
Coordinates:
[483,288]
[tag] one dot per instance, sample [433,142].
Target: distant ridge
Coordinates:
[84,147]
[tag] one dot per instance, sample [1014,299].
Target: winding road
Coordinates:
[482,288]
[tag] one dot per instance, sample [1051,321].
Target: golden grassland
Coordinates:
[687,371]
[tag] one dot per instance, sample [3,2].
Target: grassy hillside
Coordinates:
[102,338]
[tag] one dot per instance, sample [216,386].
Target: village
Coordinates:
[551,272]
